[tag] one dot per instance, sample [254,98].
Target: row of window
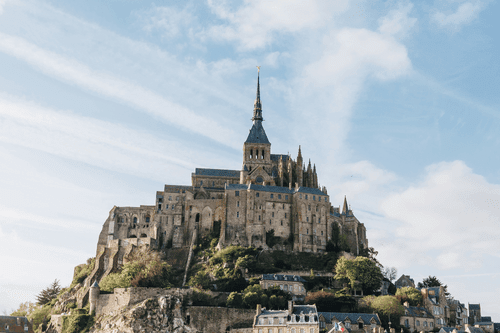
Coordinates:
[314,197]
[256,156]
[166,206]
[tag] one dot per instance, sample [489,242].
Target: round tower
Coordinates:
[94,296]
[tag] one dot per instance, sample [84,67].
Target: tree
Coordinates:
[390,273]
[433,281]
[329,302]
[24,310]
[411,295]
[49,293]
[388,308]
[360,272]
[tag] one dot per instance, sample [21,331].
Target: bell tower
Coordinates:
[257,148]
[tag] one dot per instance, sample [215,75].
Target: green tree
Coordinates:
[49,293]
[329,302]
[359,272]
[145,268]
[411,295]
[433,281]
[25,309]
[234,300]
[388,308]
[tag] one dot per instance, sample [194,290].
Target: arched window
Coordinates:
[263,154]
[143,236]
[259,180]
[135,219]
[251,153]
[147,218]
[197,219]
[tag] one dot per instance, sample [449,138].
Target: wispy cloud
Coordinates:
[257,23]
[397,22]
[96,142]
[464,14]
[79,74]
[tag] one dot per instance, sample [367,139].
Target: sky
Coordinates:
[396,102]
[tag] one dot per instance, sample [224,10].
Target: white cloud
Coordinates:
[350,55]
[255,24]
[96,142]
[168,20]
[464,14]
[397,22]
[449,220]
[144,100]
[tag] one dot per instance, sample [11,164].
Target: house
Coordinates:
[15,324]
[293,284]
[458,314]
[417,319]
[435,302]
[353,322]
[472,329]
[404,281]
[486,325]
[474,313]
[297,319]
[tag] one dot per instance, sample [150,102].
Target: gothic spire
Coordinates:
[257,106]
[345,209]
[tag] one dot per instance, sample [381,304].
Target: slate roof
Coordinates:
[353,317]
[275,189]
[305,309]
[475,329]
[448,329]
[282,277]
[277,157]
[217,172]
[474,307]
[486,319]
[257,134]
[483,322]
[417,311]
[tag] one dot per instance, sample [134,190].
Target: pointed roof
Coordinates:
[345,208]
[257,133]
[257,105]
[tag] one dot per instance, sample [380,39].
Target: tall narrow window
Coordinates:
[256,153]
[251,153]
[263,154]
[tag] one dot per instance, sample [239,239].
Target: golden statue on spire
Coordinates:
[258,69]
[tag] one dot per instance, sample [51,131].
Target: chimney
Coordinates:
[406,304]
[259,309]
[290,307]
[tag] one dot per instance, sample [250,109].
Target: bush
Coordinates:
[82,272]
[235,300]
[77,323]
[144,269]
[40,315]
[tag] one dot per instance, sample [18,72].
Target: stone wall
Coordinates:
[122,297]
[218,319]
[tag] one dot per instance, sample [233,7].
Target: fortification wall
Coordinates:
[218,319]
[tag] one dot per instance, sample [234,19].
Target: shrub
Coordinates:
[77,323]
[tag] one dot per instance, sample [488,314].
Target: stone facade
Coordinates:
[352,322]
[458,314]
[417,319]
[272,195]
[297,319]
[435,302]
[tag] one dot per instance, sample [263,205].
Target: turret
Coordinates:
[94,296]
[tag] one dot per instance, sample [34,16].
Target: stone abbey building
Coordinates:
[273,195]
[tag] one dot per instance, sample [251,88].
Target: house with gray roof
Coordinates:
[417,319]
[353,322]
[292,284]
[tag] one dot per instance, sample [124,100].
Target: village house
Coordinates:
[297,319]
[15,324]
[353,322]
[417,319]
[292,284]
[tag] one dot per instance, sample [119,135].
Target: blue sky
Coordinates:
[103,102]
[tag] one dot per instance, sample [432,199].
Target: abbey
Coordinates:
[272,196]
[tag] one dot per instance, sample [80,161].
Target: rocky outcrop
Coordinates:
[162,314]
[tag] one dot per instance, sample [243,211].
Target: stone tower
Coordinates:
[257,149]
